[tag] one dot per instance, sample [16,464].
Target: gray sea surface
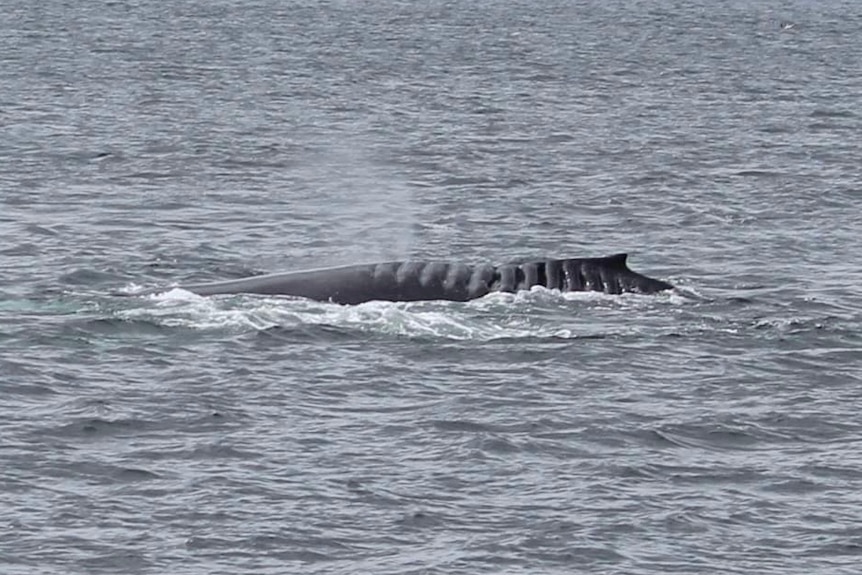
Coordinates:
[713,429]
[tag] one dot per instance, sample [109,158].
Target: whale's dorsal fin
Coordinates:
[617,260]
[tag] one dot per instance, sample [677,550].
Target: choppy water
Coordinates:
[713,430]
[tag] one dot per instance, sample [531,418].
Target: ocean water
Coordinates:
[714,429]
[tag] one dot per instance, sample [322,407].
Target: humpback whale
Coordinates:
[429,280]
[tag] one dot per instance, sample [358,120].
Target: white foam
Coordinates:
[174,294]
[538,313]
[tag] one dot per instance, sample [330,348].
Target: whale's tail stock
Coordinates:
[609,274]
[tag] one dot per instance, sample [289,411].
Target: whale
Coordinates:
[404,281]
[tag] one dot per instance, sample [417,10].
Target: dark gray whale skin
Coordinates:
[419,280]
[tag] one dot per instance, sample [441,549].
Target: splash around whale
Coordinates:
[429,280]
